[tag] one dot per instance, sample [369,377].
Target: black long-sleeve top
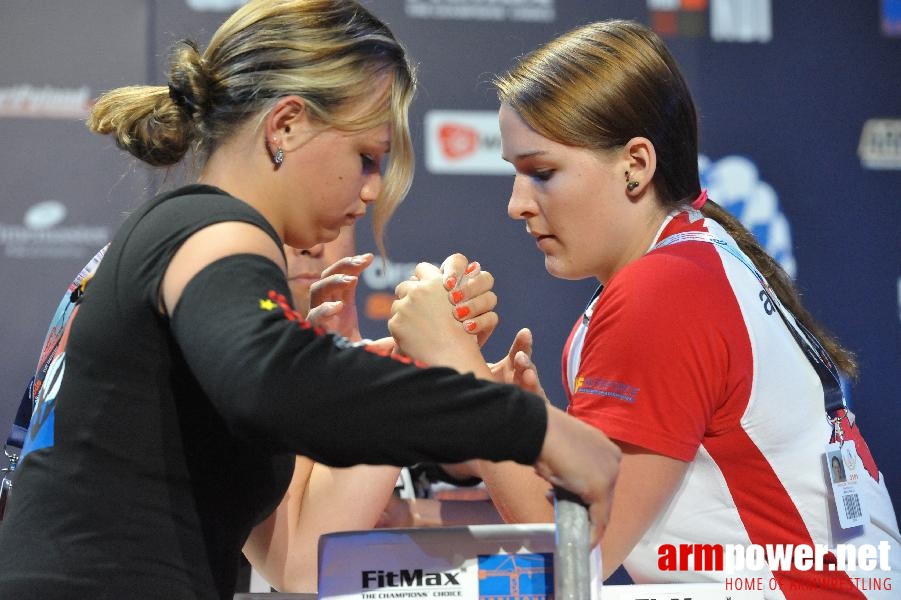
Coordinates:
[173,437]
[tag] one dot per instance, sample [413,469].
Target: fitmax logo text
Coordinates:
[406,577]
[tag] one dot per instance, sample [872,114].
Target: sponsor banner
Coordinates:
[459,141]
[479,562]
[734,183]
[41,236]
[379,281]
[726,20]
[891,18]
[536,11]
[48,102]
[215,5]
[741,20]
[899,299]
[679,18]
[880,144]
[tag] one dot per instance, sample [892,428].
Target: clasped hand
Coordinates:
[441,312]
[466,298]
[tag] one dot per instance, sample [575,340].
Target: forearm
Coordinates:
[429,512]
[284,550]
[646,483]
[270,543]
[335,500]
[518,493]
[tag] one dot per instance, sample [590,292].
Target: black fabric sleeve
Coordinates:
[278,381]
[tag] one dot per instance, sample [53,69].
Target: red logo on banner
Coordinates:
[458,141]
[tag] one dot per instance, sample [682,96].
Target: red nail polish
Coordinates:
[450,283]
[470,326]
[456,296]
[462,311]
[472,267]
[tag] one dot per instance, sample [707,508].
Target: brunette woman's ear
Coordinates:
[640,161]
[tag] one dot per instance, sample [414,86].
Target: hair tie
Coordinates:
[182,101]
[700,200]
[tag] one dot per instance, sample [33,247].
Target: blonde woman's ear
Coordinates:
[288,123]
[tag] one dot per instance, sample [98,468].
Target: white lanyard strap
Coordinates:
[833,397]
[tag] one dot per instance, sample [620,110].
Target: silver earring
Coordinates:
[279,157]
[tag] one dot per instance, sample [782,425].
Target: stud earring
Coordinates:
[630,184]
[278,157]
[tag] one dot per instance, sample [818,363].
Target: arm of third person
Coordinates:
[319,500]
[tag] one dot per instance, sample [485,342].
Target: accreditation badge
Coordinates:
[845,470]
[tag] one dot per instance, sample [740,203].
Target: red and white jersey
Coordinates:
[682,354]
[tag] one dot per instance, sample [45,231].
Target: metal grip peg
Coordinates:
[572,574]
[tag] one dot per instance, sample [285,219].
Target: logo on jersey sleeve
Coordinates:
[603,387]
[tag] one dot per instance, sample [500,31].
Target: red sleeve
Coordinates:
[654,365]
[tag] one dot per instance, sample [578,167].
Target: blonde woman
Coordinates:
[188,383]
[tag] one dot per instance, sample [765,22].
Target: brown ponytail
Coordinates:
[782,285]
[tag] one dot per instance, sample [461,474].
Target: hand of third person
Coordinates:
[332,298]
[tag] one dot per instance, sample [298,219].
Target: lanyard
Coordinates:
[819,359]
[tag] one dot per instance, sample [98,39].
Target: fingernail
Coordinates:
[472,267]
[348,278]
[462,311]
[450,282]
[470,326]
[456,296]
